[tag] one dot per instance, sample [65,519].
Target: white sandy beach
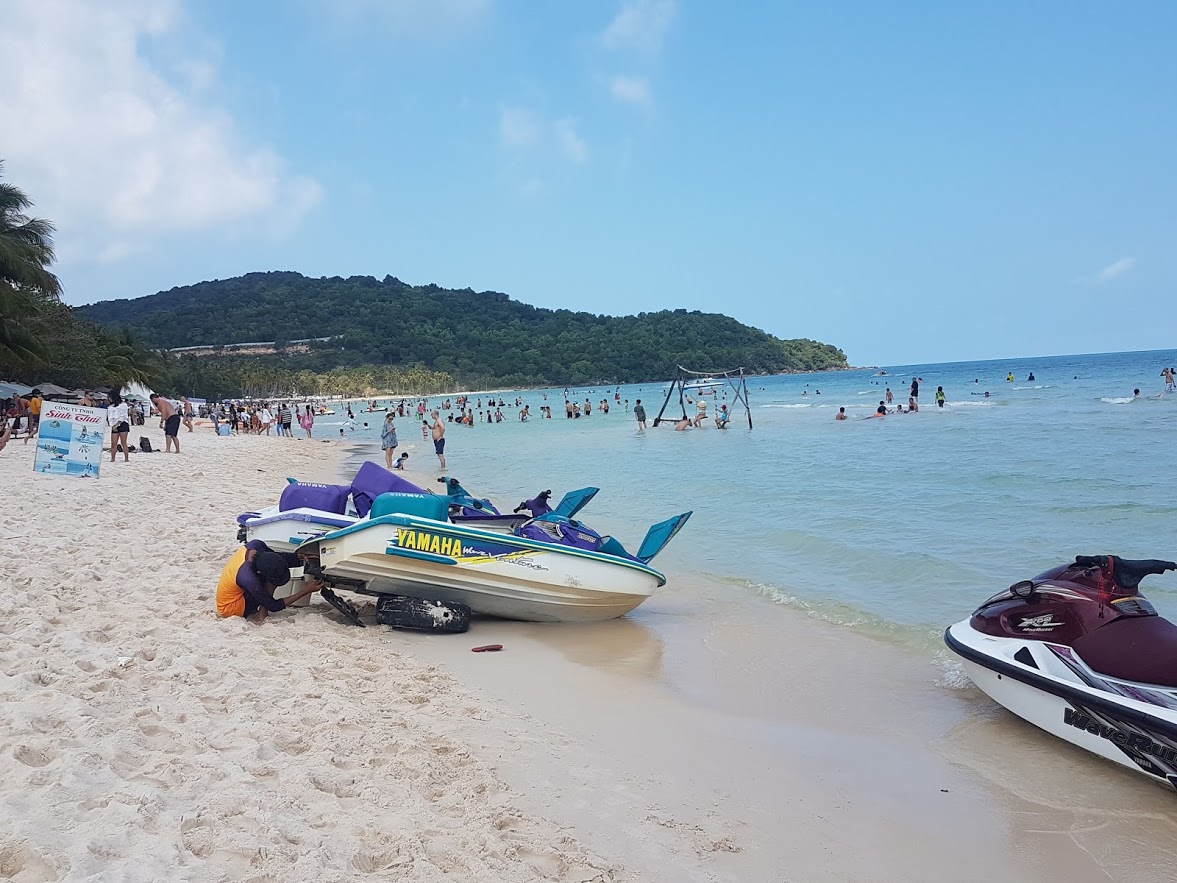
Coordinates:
[145,739]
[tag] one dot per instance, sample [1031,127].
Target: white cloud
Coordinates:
[1117,268]
[630,90]
[112,149]
[518,127]
[521,128]
[640,24]
[570,142]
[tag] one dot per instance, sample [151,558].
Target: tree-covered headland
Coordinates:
[478,338]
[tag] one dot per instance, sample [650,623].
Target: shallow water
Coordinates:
[895,526]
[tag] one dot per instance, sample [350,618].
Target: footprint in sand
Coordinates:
[85,665]
[34,755]
[45,724]
[104,851]
[291,746]
[339,788]
[19,862]
[371,863]
[197,838]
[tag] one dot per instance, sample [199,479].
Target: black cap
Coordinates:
[273,568]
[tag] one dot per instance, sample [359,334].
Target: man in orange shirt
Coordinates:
[247,584]
[34,409]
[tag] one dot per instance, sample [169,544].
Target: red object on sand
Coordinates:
[486,648]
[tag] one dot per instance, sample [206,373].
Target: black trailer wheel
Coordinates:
[349,611]
[423,614]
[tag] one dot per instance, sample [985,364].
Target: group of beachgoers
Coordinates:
[720,418]
[887,403]
[262,418]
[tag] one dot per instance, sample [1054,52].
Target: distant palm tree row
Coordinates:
[228,377]
[40,337]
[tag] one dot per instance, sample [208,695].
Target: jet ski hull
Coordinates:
[1049,685]
[494,574]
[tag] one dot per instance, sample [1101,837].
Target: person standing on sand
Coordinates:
[640,413]
[388,439]
[118,419]
[438,437]
[33,411]
[308,421]
[186,407]
[169,420]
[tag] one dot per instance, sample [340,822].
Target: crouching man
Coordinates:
[247,583]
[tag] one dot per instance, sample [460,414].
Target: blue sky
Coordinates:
[913,182]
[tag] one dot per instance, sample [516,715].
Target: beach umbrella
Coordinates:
[8,390]
[51,389]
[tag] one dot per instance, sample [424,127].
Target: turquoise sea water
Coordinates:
[897,526]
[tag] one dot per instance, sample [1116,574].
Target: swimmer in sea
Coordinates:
[841,415]
[940,398]
[912,407]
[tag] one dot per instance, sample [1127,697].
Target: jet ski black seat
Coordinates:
[1133,648]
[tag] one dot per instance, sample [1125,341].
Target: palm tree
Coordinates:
[26,245]
[125,361]
[20,347]
[26,250]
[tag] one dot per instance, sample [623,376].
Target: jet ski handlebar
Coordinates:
[1125,572]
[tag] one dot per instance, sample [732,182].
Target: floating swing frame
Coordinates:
[736,379]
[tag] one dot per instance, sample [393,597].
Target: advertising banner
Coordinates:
[69,440]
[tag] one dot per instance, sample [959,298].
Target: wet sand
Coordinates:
[803,752]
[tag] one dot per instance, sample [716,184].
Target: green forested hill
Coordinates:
[464,333]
